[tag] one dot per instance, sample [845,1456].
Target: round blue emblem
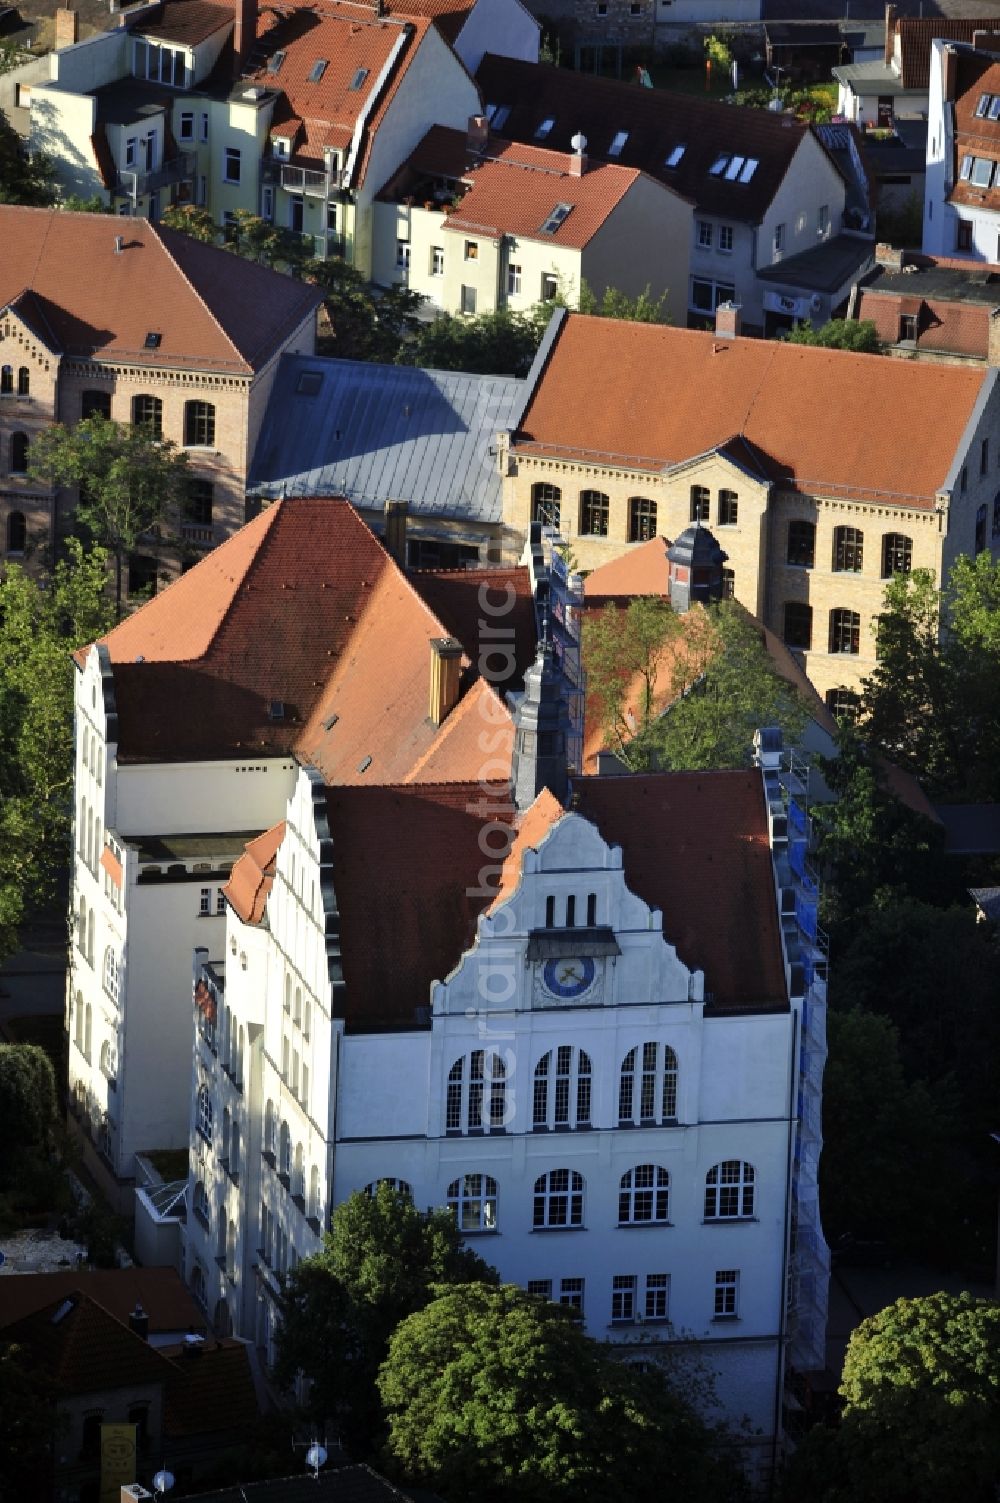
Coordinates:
[570,977]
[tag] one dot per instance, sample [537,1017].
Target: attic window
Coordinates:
[749,168]
[673,160]
[966,171]
[718,166]
[319,67]
[545,128]
[276,709]
[330,722]
[152,341]
[359,78]
[556,218]
[497,114]
[985,100]
[995,107]
[982,171]
[615,149]
[274,63]
[309,383]
[63,1310]
[734,168]
[364,766]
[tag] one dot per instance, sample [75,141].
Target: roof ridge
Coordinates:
[158,232]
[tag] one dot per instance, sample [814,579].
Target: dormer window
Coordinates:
[317,70]
[674,159]
[615,149]
[159,64]
[545,128]
[281,146]
[718,167]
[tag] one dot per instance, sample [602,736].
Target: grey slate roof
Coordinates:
[375,433]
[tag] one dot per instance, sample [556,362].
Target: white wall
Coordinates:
[504,27]
[184,798]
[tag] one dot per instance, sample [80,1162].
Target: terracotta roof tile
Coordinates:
[532,827]
[83,1348]
[957,328]
[253,874]
[212,310]
[186,22]
[916,33]
[643,570]
[657,123]
[977,136]
[454,597]
[161,1292]
[654,395]
[695,845]
[211,1392]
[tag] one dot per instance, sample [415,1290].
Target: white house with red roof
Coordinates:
[962,193]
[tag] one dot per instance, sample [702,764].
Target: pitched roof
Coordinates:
[695,845]
[916,33]
[393,946]
[657,122]
[513,189]
[375,433]
[532,827]
[161,1292]
[953,328]
[651,396]
[212,310]
[299,634]
[643,570]
[975,135]
[456,597]
[186,22]
[210,1391]
[83,1348]
[253,874]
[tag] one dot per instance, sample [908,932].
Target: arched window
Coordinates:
[199,425]
[473,1198]
[798,624]
[644,1195]
[111,973]
[81,928]
[108,1060]
[297,1015]
[980,537]
[641,519]
[19,454]
[298,1172]
[594,513]
[231,1250]
[729,504]
[17,532]
[801,544]
[477,1093]
[82,830]
[897,554]
[234,1148]
[285,1152]
[701,502]
[6,380]
[558,1199]
[147,412]
[23,381]
[546,504]
[647,1089]
[226,1125]
[269,1127]
[306,1019]
[845,631]
[90,937]
[198,1286]
[238,1062]
[729,1190]
[206,1113]
[401,1187]
[96,404]
[562,1089]
[200,1205]
[848,550]
[88,1024]
[313,1207]
[78,1021]
[288,994]
[199,500]
[843,703]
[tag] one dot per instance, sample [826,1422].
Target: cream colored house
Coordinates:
[475,223]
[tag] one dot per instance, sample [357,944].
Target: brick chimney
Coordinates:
[578,160]
[67,27]
[446,668]
[477,134]
[890,33]
[888,256]
[728,320]
[244,32]
[395,531]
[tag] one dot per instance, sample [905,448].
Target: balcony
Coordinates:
[304,180]
[179,169]
[198,533]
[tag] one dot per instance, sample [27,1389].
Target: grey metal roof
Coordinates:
[375,433]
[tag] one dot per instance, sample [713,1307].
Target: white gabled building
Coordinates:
[962,187]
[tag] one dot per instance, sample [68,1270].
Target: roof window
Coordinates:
[982,171]
[319,67]
[358,78]
[985,100]
[995,107]
[673,160]
[309,383]
[615,149]
[274,63]
[749,168]
[545,127]
[966,169]
[152,341]
[734,168]
[718,167]
[498,115]
[556,218]
[276,709]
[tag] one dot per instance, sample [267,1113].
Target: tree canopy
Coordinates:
[23,179]
[858,335]
[501,343]
[129,480]
[496,1394]
[27,1096]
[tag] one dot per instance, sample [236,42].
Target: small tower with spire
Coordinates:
[694,568]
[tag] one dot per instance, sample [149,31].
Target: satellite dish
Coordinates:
[316,1456]
[163,1482]
[579,143]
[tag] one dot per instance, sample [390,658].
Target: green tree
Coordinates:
[495,1394]
[627,650]
[23,179]
[860,336]
[379,1263]
[30,1425]
[644,308]
[27,1096]
[921,1421]
[188,219]
[129,480]
[501,343]
[43,622]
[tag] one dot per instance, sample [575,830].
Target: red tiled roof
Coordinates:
[454,595]
[83,1348]
[954,328]
[695,845]
[186,22]
[393,946]
[643,570]
[657,122]
[513,189]
[916,33]
[532,827]
[650,395]
[210,1392]
[978,74]
[252,875]
[161,1292]
[212,310]
[297,634]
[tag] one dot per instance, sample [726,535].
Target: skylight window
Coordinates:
[995,107]
[749,168]
[673,160]
[319,67]
[556,218]
[545,127]
[718,166]
[359,78]
[309,383]
[615,149]
[982,172]
[152,341]
[498,115]
[985,101]
[275,62]
[966,169]
[735,168]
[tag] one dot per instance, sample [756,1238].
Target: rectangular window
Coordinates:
[472,250]
[964,480]
[204,125]
[187,125]
[702,296]
[550,286]
[996,515]
[726,238]
[403,254]
[96,404]
[980,537]
[231,173]
[513,280]
[541,1287]
[205,901]
[705,235]
[468,303]
[908,328]
[982,172]
[779,239]
[728,508]
[437,260]
[657,1289]
[220,901]
[984,457]
[727,1285]
[963,235]
[267,202]
[823,219]
[571,1293]
[623,1296]
[131,147]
